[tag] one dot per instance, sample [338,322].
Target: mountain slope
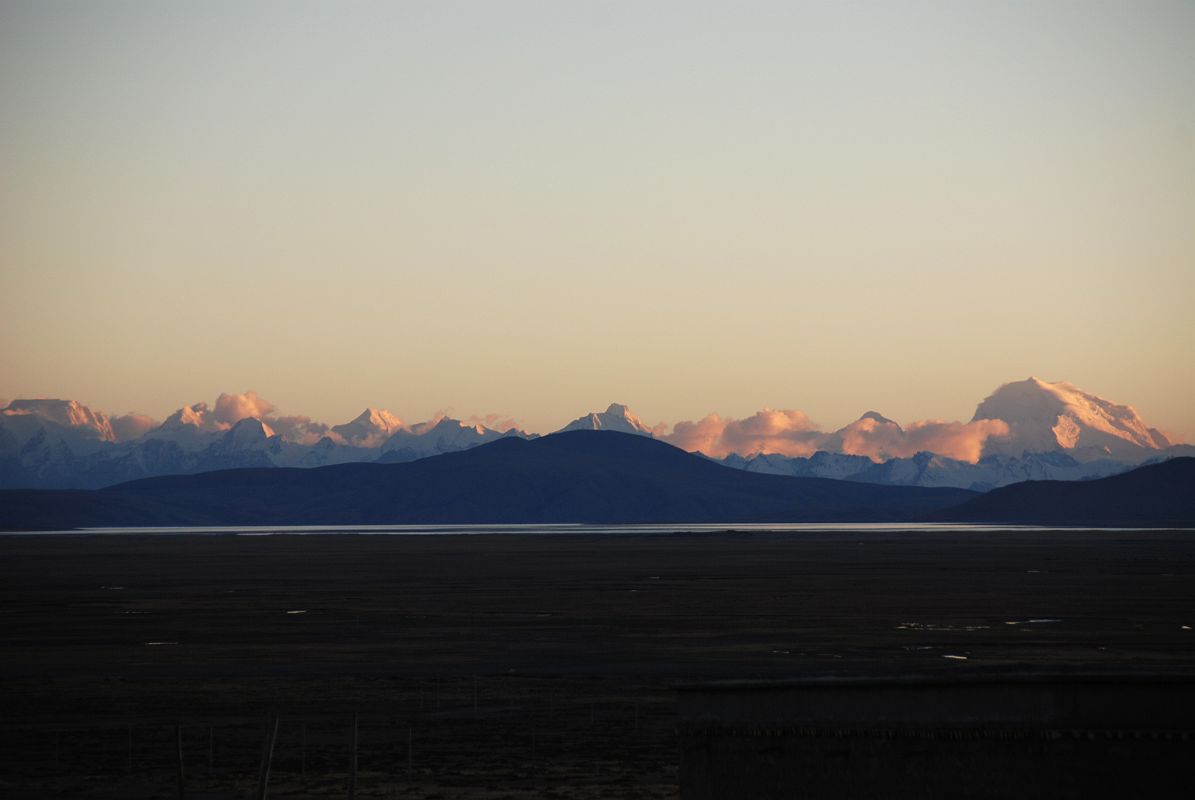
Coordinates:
[1154,495]
[580,476]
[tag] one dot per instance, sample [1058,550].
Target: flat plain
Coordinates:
[488,666]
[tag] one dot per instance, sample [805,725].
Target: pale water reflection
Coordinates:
[575,529]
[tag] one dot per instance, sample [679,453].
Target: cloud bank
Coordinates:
[232,408]
[132,426]
[881,440]
[787,432]
[497,422]
[298,428]
[790,432]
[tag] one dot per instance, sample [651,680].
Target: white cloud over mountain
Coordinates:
[497,422]
[790,432]
[299,429]
[784,431]
[882,440]
[132,426]
[232,408]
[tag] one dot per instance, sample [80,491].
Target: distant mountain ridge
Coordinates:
[446,435]
[1024,430]
[575,476]
[63,444]
[930,469]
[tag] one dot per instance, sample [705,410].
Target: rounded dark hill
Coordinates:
[1154,495]
[578,476]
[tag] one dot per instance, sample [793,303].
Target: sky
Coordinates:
[536,208]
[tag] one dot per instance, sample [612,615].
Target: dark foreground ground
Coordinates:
[514,666]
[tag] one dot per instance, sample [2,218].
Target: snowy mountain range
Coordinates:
[1024,430]
[1047,431]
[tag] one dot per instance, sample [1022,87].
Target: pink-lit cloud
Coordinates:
[299,429]
[790,432]
[232,408]
[132,426]
[197,415]
[784,431]
[883,439]
[497,422]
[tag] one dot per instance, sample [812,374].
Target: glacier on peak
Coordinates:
[1044,416]
[616,417]
[877,417]
[70,414]
[371,428]
[439,435]
[250,429]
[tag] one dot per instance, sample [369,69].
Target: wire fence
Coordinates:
[456,735]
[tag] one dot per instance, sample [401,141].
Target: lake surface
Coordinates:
[564,529]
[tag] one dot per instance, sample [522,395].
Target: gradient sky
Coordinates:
[537,208]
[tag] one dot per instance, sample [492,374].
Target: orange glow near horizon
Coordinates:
[526,211]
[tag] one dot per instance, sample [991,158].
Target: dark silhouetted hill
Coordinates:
[1155,495]
[579,476]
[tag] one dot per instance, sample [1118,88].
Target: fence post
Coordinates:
[353,761]
[182,777]
[267,758]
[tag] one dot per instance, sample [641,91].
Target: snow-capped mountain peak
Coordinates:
[876,416]
[197,416]
[442,435]
[250,430]
[371,428]
[617,417]
[192,428]
[1044,416]
[70,414]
